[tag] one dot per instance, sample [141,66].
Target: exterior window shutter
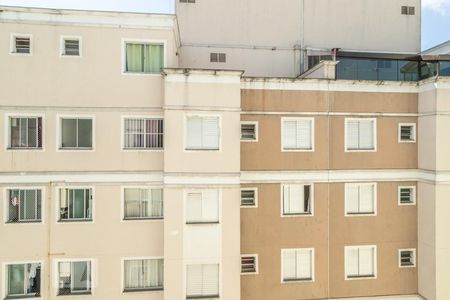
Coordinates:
[289,264]
[296,203]
[352,135]
[194,207]
[366,260]
[289,135]
[366,200]
[194,280]
[210,132]
[366,135]
[352,198]
[304,134]
[210,206]
[352,268]
[194,133]
[210,280]
[304,264]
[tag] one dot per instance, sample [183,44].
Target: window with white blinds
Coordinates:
[202,281]
[143,203]
[202,133]
[298,134]
[297,199]
[360,134]
[297,264]
[143,133]
[202,206]
[360,262]
[360,199]
[143,274]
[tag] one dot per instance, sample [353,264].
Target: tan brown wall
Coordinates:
[329,152]
[328,231]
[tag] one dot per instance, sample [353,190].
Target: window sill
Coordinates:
[143,219]
[203,297]
[297,214]
[361,277]
[297,280]
[76,294]
[76,221]
[202,223]
[201,149]
[143,290]
[142,149]
[361,214]
[75,149]
[24,222]
[22,297]
[24,148]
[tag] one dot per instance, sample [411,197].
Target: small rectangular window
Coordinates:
[407,258]
[202,281]
[143,133]
[360,199]
[202,207]
[404,10]
[23,280]
[21,44]
[297,134]
[407,133]
[248,197]
[297,199]
[360,134]
[297,264]
[249,131]
[408,10]
[24,205]
[360,262]
[74,278]
[75,204]
[143,274]
[144,58]
[407,195]
[25,133]
[202,133]
[71,46]
[76,133]
[143,203]
[217,57]
[249,264]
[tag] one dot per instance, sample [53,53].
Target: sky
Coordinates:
[435,13]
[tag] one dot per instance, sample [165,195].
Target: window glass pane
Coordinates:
[29,203]
[289,134]
[132,203]
[194,278]
[153,273]
[14,201]
[444,68]
[210,206]
[289,265]
[85,133]
[133,272]
[16,277]
[23,132]
[32,132]
[210,133]
[366,134]
[80,276]
[194,133]
[194,207]
[15,132]
[210,280]
[134,58]
[78,204]
[68,133]
[153,58]
[352,262]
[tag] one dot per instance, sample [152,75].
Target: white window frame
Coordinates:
[57,196]
[282,201]
[256,123]
[374,134]
[202,262]
[256,264]
[8,131]
[219,208]
[375,199]
[414,258]
[313,272]
[62,45]
[59,133]
[122,203]
[413,125]
[312,134]
[12,43]
[256,197]
[6,208]
[122,274]
[71,260]
[413,195]
[375,263]
[185,144]
[138,117]
[22,262]
[123,46]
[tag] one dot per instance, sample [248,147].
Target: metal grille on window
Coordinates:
[248,197]
[248,264]
[74,278]
[144,134]
[22,45]
[23,280]
[75,205]
[406,195]
[406,258]
[24,206]
[406,133]
[25,133]
[71,47]
[248,132]
[143,203]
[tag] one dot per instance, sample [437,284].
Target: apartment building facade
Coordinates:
[129,172]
